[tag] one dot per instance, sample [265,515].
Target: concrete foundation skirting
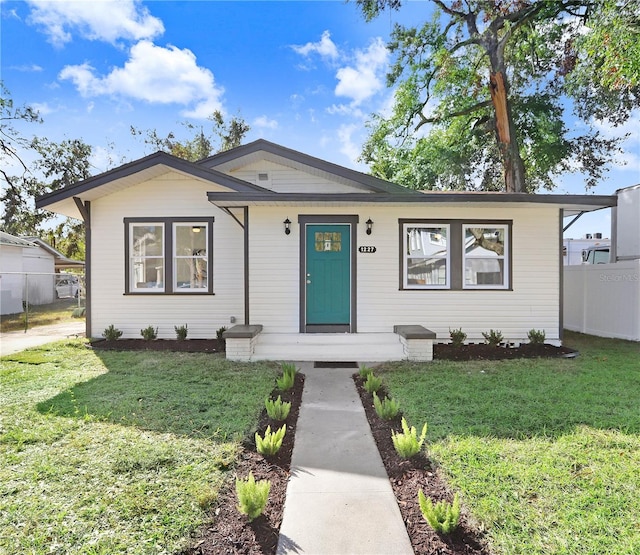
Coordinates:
[417,342]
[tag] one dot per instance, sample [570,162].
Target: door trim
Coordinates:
[352,221]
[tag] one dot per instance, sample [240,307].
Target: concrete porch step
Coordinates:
[373,347]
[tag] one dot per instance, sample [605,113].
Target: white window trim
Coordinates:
[406,258]
[176,257]
[504,257]
[132,257]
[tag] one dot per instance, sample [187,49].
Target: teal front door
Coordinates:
[328,277]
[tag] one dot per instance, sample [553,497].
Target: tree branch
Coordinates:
[463,112]
[447,9]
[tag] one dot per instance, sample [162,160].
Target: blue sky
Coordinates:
[306,75]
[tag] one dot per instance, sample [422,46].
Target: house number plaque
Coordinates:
[367,249]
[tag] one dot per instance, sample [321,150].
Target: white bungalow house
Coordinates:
[303,259]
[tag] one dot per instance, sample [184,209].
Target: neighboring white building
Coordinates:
[26,273]
[308,256]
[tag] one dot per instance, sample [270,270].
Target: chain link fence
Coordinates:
[30,298]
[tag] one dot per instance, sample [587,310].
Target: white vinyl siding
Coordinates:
[170,195]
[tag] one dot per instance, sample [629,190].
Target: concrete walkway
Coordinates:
[15,341]
[339,499]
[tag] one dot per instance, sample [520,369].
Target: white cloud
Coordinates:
[105,20]
[27,68]
[153,74]
[365,78]
[348,147]
[325,48]
[42,108]
[265,122]
[629,158]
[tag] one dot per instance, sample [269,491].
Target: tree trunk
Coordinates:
[506,136]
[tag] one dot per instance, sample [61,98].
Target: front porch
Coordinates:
[251,343]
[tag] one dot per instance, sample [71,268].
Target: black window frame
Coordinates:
[168,254]
[456,255]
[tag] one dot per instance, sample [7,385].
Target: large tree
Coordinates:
[483,88]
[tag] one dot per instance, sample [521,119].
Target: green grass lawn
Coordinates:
[546,453]
[114,452]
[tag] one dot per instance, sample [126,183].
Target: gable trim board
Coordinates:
[259,270]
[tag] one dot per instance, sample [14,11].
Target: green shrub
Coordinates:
[407,443]
[443,517]
[373,383]
[458,337]
[79,312]
[111,333]
[272,441]
[149,333]
[536,337]
[387,409]
[493,337]
[252,496]
[277,410]
[222,340]
[288,378]
[181,332]
[365,371]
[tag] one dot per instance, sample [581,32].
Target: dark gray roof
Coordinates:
[159,158]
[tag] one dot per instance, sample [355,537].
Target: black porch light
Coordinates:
[369,223]
[287,226]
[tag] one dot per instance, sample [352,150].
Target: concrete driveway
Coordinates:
[15,341]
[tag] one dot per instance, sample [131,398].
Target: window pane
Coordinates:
[484,271]
[426,241]
[191,240]
[427,271]
[484,241]
[328,241]
[426,256]
[191,273]
[147,240]
[147,273]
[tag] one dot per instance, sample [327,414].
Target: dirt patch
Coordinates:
[228,531]
[186,346]
[409,476]
[482,351]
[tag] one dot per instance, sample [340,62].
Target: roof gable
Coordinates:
[244,155]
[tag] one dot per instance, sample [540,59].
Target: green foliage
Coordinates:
[288,378]
[443,131]
[149,333]
[252,496]
[364,371]
[277,410]
[111,333]
[387,409]
[443,517]
[79,312]
[458,337]
[407,443]
[493,337]
[372,383]
[220,332]
[181,332]
[271,442]
[536,337]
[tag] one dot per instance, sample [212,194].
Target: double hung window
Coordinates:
[168,255]
[455,254]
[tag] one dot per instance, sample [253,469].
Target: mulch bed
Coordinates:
[229,532]
[407,476]
[186,346]
[482,351]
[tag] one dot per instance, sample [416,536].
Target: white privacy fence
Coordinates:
[603,299]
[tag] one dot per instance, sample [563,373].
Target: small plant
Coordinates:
[536,337]
[443,517]
[111,333]
[372,384]
[407,443]
[252,496]
[365,371]
[493,337]
[149,333]
[288,378]
[387,409]
[222,340]
[458,337]
[277,410]
[181,332]
[272,441]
